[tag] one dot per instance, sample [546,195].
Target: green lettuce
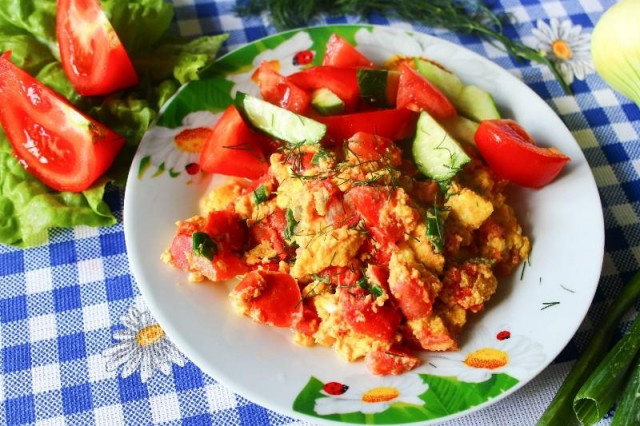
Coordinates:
[163,63]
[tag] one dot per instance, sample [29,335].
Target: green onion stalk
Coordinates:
[628,411]
[560,411]
[468,17]
[604,385]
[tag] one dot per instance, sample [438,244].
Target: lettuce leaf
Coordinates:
[163,63]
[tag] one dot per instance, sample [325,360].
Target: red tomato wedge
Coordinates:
[232,148]
[92,56]
[512,154]
[357,306]
[340,53]
[369,147]
[279,91]
[268,297]
[58,144]
[341,81]
[394,124]
[417,94]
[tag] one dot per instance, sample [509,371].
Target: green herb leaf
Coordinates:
[203,245]
[315,160]
[375,290]
[289,230]
[260,195]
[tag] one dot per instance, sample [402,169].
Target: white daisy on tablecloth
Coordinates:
[488,353]
[142,346]
[178,150]
[368,394]
[287,58]
[566,45]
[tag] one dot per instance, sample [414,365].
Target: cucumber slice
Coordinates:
[448,83]
[477,104]
[436,154]
[326,102]
[278,122]
[378,87]
[470,101]
[460,128]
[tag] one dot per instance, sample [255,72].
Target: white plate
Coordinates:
[564,221]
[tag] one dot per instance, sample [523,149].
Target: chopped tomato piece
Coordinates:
[340,53]
[418,94]
[306,321]
[391,361]
[92,56]
[512,154]
[413,296]
[64,148]
[370,203]
[369,147]
[342,275]
[359,312]
[224,265]
[394,124]
[227,229]
[232,148]
[180,246]
[268,297]
[279,91]
[343,82]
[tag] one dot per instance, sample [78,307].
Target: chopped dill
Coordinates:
[567,289]
[546,305]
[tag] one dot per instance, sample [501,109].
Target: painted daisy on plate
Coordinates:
[565,44]
[287,58]
[367,394]
[142,346]
[397,44]
[488,353]
[177,150]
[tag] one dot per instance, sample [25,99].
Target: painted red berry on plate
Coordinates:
[192,168]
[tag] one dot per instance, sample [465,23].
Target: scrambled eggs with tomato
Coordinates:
[349,248]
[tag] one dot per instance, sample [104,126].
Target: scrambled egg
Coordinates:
[373,272]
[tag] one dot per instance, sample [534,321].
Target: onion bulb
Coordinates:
[615,48]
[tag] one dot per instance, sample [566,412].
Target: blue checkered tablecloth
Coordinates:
[63,304]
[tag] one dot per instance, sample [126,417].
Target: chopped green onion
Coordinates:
[374,290]
[289,230]
[604,385]
[627,412]
[435,228]
[319,156]
[560,411]
[260,195]
[203,245]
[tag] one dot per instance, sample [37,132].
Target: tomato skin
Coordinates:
[66,155]
[380,322]
[271,298]
[92,56]
[279,91]
[511,153]
[369,147]
[227,229]
[232,148]
[418,94]
[340,53]
[393,124]
[392,361]
[341,81]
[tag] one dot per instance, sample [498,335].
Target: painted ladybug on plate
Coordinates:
[503,335]
[192,168]
[335,388]
[303,57]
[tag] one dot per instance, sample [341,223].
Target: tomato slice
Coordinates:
[341,81]
[227,229]
[278,90]
[64,148]
[417,94]
[340,53]
[512,154]
[359,311]
[271,298]
[92,56]
[388,123]
[369,147]
[232,148]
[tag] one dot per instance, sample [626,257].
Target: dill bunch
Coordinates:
[467,17]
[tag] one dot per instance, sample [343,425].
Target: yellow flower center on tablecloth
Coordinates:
[561,50]
[192,140]
[150,335]
[489,358]
[380,394]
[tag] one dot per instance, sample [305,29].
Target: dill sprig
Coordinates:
[467,17]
